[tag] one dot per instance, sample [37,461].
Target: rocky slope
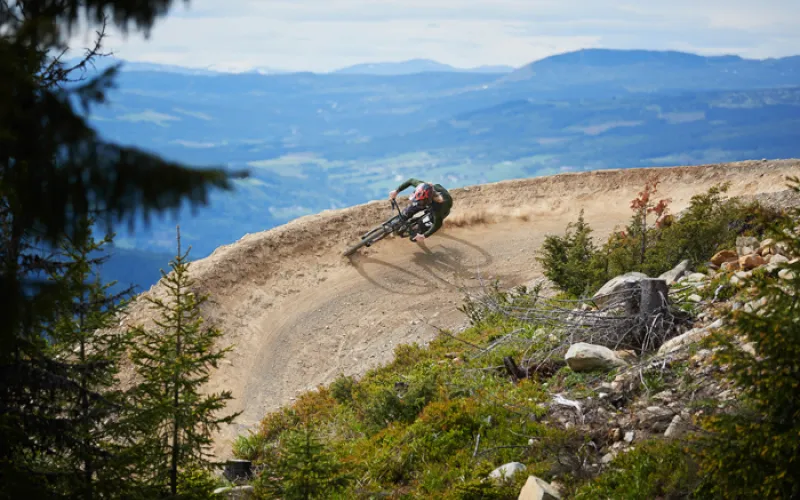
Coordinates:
[662,393]
[298,313]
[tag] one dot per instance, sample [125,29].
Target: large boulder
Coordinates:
[614,290]
[583,357]
[777,259]
[732,265]
[724,256]
[690,337]
[675,273]
[538,489]
[748,262]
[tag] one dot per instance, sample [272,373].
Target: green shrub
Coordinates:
[305,469]
[249,447]
[195,483]
[342,389]
[654,469]
[480,489]
[755,451]
[384,404]
[572,261]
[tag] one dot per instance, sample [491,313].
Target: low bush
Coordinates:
[710,223]
[572,261]
[654,469]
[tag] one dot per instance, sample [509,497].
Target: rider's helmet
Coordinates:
[423,194]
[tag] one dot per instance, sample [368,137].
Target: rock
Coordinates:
[786,274]
[656,417]
[725,395]
[724,256]
[777,259]
[587,357]
[629,437]
[755,305]
[675,429]
[748,262]
[627,355]
[766,246]
[745,245]
[696,277]
[678,271]
[507,470]
[701,356]
[692,336]
[665,396]
[236,492]
[731,265]
[607,458]
[538,489]
[695,298]
[609,292]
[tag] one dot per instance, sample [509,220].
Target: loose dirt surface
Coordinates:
[299,314]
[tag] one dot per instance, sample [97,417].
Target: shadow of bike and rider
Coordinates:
[450,262]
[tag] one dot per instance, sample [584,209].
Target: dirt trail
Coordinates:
[298,313]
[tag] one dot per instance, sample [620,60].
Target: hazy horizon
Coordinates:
[318,36]
[277,70]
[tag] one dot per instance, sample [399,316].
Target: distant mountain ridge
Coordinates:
[409,67]
[583,58]
[413,66]
[635,66]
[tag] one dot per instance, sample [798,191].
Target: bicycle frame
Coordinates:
[395,225]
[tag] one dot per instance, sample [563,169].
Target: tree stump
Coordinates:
[238,469]
[515,371]
[653,313]
[654,298]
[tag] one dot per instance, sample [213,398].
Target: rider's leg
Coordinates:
[412,209]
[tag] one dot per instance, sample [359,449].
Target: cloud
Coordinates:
[321,35]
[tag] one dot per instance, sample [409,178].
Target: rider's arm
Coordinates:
[410,182]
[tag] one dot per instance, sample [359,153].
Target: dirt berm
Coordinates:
[298,313]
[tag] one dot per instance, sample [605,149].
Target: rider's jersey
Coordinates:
[438,210]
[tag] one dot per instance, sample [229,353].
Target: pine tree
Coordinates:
[91,463]
[755,452]
[173,361]
[304,471]
[55,171]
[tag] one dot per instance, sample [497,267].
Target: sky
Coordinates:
[323,35]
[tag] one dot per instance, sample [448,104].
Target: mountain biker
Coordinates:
[426,195]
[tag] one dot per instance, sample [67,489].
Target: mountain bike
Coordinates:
[397,225]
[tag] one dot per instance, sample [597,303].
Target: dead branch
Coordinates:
[56,75]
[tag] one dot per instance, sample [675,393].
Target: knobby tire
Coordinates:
[371,237]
